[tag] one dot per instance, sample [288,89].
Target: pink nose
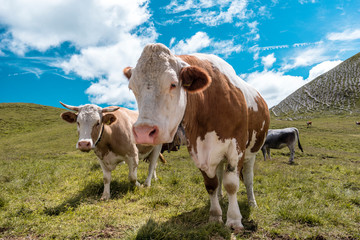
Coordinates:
[84,146]
[145,134]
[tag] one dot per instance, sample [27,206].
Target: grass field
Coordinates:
[49,190]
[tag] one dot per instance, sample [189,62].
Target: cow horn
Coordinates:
[110,109]
[70,107]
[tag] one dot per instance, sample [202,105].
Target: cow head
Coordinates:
[89,119]
[160,82]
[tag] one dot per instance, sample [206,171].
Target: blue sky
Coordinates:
[75,50]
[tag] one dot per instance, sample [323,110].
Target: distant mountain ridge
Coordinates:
[334,92]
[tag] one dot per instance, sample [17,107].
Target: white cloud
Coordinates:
[107,63]
[200,41]
[197,42]
[273,47]
[254,31]
[42,24]
[112,92]
[175,7]
[346,35]
[268,60]
[307,1]
[210,12]
[172,40]
[322,68]
[274,86]
[306,57]
[109,35]
[225,47]
[234,11]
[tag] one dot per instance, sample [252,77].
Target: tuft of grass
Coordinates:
[51,190]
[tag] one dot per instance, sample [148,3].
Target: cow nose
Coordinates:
[145,134]
[84,146]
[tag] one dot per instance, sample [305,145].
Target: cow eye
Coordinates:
[172,86]
[97,123]
[78,124]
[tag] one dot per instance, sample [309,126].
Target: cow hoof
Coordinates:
[216,219]
[235,225]
[105,197]
[136,183]
[253,204]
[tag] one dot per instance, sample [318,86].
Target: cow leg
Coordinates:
[248,174]
[292,153]
[263,149]
[268,153]
[152,165]
[220,174]
[211,185]
[133,163]
[231,184]
[107,181]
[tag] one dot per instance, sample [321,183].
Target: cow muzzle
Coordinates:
[145,134]
[84,146]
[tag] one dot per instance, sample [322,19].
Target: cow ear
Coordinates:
[127,72]
[108,119]
[69,117]
[194,79]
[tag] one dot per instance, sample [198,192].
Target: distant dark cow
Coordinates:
[108,132]
[280,138]
[179,140]
[309,123]
[357,123]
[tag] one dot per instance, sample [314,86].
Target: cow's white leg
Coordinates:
[212,185]
[231,185]
[133,163]
[248,174]
[152,165]
[220,174]
[107,181]
[215,209]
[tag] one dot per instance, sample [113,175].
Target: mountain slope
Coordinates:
[336,91]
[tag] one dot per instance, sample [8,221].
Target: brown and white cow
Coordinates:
[225,119]
[108,132]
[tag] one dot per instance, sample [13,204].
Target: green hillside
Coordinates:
[49,190]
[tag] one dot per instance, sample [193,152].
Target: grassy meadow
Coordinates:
[50,190]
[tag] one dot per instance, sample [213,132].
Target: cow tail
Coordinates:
[162,159]
[299,145]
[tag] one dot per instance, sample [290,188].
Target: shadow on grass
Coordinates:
[195,225]
[91,192]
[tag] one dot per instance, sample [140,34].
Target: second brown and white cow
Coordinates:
[225,119]
[108,132]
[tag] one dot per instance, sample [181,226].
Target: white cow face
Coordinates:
[160,82]
[88,118]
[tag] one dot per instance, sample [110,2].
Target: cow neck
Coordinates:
[100,135]
[220,108]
